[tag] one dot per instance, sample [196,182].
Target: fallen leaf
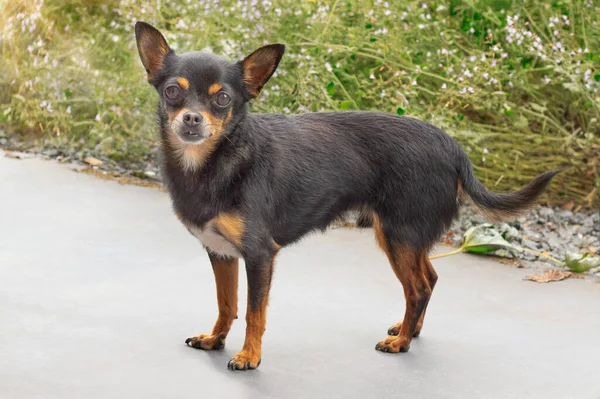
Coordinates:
[568,206]
[484,238]
[92,161]
[550,275]
[581,263]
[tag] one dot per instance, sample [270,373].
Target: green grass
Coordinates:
[521,94]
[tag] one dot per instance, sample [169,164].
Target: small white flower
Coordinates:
[444,86]
[371,76]
[68,110]
[98,117]
[328,67]
[485,151]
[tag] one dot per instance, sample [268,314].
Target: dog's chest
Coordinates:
[214,241]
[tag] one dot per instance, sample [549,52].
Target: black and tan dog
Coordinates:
[247,185]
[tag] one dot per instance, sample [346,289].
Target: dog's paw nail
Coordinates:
[233,365]
[187,341]
[198,344]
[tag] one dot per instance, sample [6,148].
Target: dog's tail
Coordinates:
[496,207]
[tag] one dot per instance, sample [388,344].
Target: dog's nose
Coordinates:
[192,119]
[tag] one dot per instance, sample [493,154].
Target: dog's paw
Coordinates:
[244,361]
[207,342]
[395,329]
[393,344]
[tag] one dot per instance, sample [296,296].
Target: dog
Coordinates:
[247,185]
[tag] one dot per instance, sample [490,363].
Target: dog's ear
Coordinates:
[152,46]
[260,65]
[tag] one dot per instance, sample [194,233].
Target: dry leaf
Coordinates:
[550,275]
[568,206]
[92,161]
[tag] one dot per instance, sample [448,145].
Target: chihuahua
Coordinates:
[246,185]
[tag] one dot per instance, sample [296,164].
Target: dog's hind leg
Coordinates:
[407,265]
[226,279]
[431,277]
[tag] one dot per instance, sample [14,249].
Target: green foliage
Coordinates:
[516,82]
[581,263]
[483,239]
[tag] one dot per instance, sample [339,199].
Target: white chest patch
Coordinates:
[214,241]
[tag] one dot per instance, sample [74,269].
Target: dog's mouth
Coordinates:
[192,135]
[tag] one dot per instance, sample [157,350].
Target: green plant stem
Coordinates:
[459,250]
[462,249]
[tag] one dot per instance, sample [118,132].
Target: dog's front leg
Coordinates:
[259,270]
[226,279]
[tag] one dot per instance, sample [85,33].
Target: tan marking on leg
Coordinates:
[379,236]
[430,277]
[214,88]
[256,320]
[406,264]
[226,278]
[276,246]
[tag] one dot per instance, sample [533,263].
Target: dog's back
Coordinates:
[323,164]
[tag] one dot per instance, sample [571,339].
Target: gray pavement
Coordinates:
[100,286]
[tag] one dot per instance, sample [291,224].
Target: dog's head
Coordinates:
[202,94]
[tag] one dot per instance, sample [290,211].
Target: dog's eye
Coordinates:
[223,99]
[172,92]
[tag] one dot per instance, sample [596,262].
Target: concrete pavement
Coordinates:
[100,286]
